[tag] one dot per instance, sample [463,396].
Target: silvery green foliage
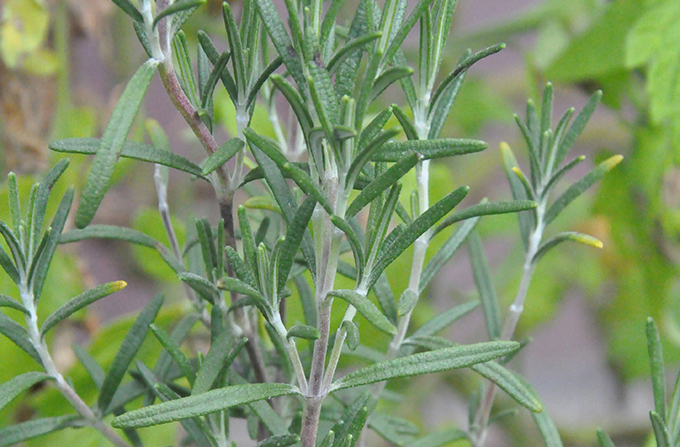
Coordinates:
[330,73]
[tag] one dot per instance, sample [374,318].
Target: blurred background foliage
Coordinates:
[61,67]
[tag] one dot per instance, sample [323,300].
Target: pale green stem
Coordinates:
[60,382]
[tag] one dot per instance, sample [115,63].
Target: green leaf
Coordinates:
[177,6]
[184,68]
[112,142]
[6,301]
[354,243]
[509,383]
[129,9]
[202,286]
[300,177]
[486,209]
[387,78]
[79,302]
[546,426]
[427,362]
[348,49]
[406,122]
[279,441]
[444,319]
[427,149]
[518,192]
[19,336]
[202,404]
[264,76]
[135,151]
[17,385]
[128,350]
[419,226]
[295,100]
[208,88]
[407,301]
[445,252]
[175,352]
[219,358]
[222,155]
[238,286]
[14,246]
[398,38]
[277,33]
[242,271]
[487,290]
[214,56]
[557,176]
[93,369]
[13,201]
[657,368]
[603,438]
[366,153]
[24,431]
[566,236]
[660,430]
[580,186]
[577,127]
[43,193]
[438,438]
[381,183]
[236,47]
[303,331]
[366,308]
[396,430]
[8,266]
[352,332]
[294,235]
[674,412]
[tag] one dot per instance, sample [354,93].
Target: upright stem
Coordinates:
[61,384]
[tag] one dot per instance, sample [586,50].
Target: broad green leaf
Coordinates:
[366,308]
[603,438]
[202,404]
[381,183]
[427,149]
[445,252]
[136,151]
[222,155]
[19,384]
[580,186]
[79,302]
[438,438]
[24,431]
[294,235]
[176,7]
[566,236]
[129,8]
[127,351]
[427,362]
[419,226]
[19,336]
[485,286]
[6,301]
[112,142]
[660,430]
[303,331]
[657,367]
[486,209]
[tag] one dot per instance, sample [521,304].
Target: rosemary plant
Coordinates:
[332,178]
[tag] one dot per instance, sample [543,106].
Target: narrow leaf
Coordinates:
[130,9]
[354,243]
[202,404]
[445,319]
[112,142]
[13,201]
[485,286]
[294,235]
[128,350]
[486,209]
[208,88]
[17,385]
[175,352]
[580,186]
[8,266]
[303,331]
[6,301]
[406,122]
[387,78]
[79,302]
[577,127]
[18,335]
[438,438]
[295,100]
[566,236]
[407,301]
[348,49]
[657,368]
[279,441]
[427,362]
[264,76]
[660,430]
[135,151]
[366,308]
[222,155]
[177,6]
[219,358]
[603,438]
[427,149]
[24,431]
